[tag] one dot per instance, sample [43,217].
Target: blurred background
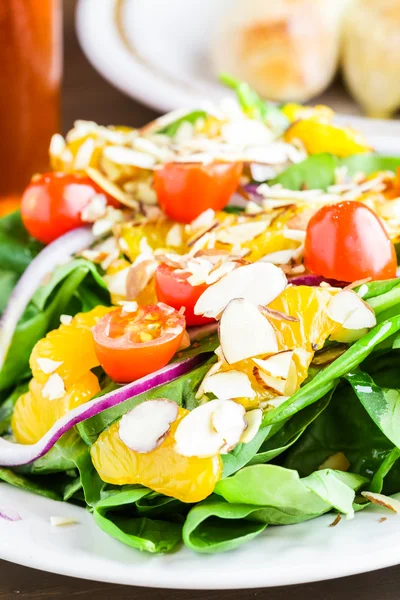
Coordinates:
[127,61]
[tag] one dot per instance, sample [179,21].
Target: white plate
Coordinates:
[157,52]
[282,555]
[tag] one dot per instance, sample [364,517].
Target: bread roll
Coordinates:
[287,50]
[371,55]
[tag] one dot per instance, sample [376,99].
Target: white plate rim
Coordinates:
[113,57]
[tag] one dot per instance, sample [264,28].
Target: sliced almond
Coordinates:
[258,283]
[139,276]
[382,500]
[219,271]
[277,365]
[254,419]
[95,209]
[280,257]
[145,427]
[116,282]
[229,384]
[54,387]
[47,365]
[210,428]
[174,236]
[348,309]
[240,234]
[111,188]
[125,156]
[205,219]
[229,421]
[244,332]
[274,384]
[199,269]
[66,319]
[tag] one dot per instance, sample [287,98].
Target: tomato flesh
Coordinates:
[184,191]
[173,289]
[134,344]
[347,242]
[53,202]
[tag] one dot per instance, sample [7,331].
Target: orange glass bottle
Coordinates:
[30,76]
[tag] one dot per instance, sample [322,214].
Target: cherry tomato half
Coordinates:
[347,242]
[184,191]
[52,204]
[173,288]
[134,344]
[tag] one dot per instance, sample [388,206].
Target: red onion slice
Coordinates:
[315,281]
[56,253]
[13,455]
[8,514]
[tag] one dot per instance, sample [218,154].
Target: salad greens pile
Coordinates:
[350,407]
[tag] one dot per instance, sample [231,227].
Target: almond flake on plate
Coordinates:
[62,521]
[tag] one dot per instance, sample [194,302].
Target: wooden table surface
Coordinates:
[87,96]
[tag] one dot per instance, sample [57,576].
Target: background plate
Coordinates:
[157,52]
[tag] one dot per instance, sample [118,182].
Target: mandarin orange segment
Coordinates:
[154,234]
[35,414]
[72,345]
[321,136]
[162,470]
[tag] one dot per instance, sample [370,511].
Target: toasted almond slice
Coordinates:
[276,384]
[204,432]
[66,319]
[254,419]
[277,365]
[205,219]
[258,283]
[382,500]
[139,276]
[54,387]
[229,420]
[229,384]
[280,257]
[220,271]
[174,236]
[111,188]
[116,282]
[261,173]
[350,311]
[95,208]
[125,156]
[145,427]
[240,234]
[244,332]
[199,269]
[48,366]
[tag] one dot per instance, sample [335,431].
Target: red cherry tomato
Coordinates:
[134,344]
[173,288]
[52,204]
[347,242]
[184,191]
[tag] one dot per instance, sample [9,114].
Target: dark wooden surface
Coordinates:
[87,96]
